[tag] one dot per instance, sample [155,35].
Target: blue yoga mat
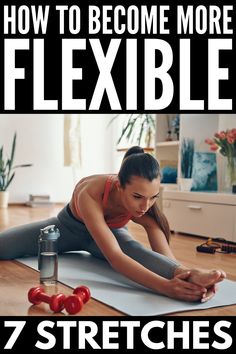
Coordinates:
[113,289]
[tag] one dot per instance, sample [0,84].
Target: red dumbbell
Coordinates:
[56,302]
[75,302]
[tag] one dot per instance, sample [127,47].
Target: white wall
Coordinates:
[227,121]
[40,141]
[98,144]
[199,127]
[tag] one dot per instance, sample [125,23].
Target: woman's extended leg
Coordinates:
[159,263]
[151,260]
[22,240]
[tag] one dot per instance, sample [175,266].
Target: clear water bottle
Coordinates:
[48,256]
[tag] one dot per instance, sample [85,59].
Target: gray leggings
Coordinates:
[23,241]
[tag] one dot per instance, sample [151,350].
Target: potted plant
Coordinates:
[186,163]
[137,129]
[7,173]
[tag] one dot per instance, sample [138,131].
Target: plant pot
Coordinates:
[185,184]
[4,197]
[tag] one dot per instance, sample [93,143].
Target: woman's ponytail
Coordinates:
[134,150]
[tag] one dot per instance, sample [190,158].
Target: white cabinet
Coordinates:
[201,213]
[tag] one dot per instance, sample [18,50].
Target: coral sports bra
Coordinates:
[114,222]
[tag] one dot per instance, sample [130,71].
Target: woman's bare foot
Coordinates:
[202,277]
[206,278]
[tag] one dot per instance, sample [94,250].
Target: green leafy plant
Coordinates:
[136,128]
[6,167]
[186,154]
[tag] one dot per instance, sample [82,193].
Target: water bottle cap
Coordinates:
[50,232]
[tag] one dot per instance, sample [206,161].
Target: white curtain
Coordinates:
[72,144]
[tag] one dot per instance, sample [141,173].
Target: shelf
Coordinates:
[168,143]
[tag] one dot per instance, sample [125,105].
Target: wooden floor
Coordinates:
[16,279]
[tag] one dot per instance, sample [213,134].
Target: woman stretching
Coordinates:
[95,221]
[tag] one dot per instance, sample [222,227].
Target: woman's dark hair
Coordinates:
[138,163]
